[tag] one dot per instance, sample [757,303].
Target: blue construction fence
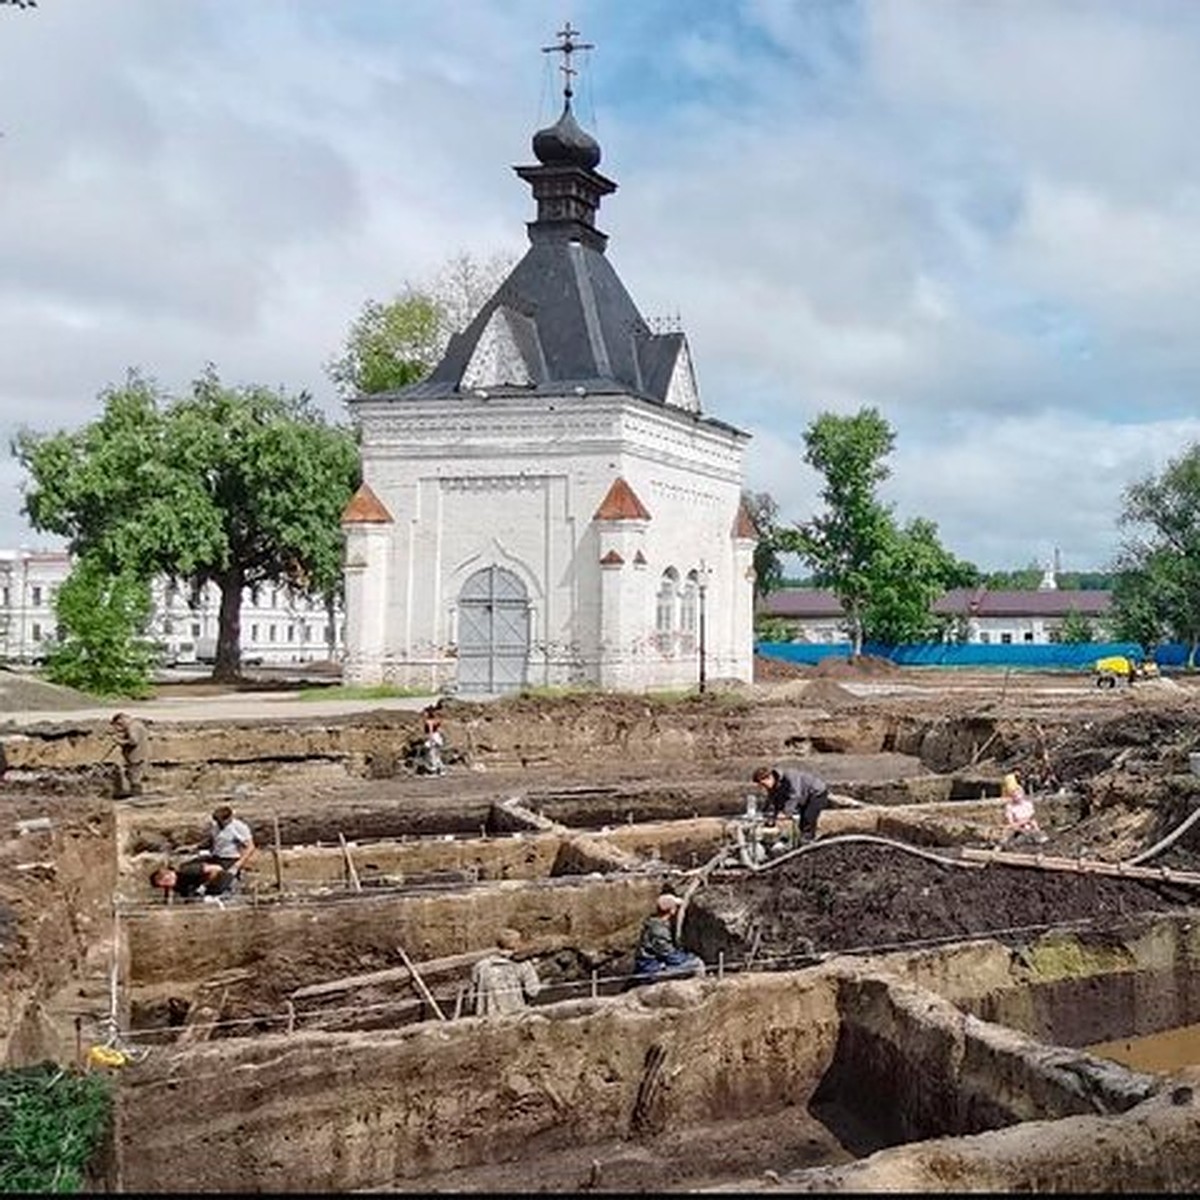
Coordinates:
[1072,656]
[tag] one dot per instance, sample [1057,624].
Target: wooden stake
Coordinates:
[351,873]
[278,854]
[419,983]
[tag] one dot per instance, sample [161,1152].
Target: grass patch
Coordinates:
[374,691]
[52,1122]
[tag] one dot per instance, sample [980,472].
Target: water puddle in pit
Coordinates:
[1159,1052]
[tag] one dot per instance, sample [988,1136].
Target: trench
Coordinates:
[290,1021]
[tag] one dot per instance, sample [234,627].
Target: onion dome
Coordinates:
[565,144]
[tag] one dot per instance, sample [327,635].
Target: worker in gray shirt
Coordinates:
[797,795]
[230,841]
[132,738]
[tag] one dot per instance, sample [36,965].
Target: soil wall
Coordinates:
[55,921]
[339,1112]
[291,945]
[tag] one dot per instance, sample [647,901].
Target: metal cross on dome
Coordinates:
[566,47]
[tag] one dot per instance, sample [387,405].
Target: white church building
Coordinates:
[551,506]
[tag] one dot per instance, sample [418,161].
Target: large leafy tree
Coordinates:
[844,543]
[886,576]
[233,486]
[100,646]
[910,571]
[394,343]
[1158,588]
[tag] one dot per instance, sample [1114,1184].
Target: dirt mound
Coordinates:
[824,693]
[767,670]
[865,666]
[856,896]
[22,693]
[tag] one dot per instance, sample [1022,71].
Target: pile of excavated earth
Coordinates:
[908,1003]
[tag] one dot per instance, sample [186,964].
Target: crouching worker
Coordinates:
[196,878]
[793,796]
[657,955]
[500,984]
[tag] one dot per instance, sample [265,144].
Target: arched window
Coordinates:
[687,608]
[664,614]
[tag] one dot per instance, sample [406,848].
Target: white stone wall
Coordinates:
[515,481]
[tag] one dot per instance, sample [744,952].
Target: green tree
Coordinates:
[1139,608]
[391,345]
[772,540]
[1158,590]
[233,486]
[1024,580]
[1076,629]
[100,646]
[844,543]
[911,570]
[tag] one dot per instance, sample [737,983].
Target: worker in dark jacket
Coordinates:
[797,795]
[196,877]
[657,955]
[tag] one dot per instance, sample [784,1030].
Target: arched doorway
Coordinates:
[493,632]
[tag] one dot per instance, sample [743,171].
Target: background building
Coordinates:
[278,626]
[973,615]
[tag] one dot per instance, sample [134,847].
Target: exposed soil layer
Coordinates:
[851,896]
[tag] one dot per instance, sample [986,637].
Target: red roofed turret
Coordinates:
[621,504]
[366,508]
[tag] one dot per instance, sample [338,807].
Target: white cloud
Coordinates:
[982,218]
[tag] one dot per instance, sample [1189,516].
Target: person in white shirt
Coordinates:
[500,984]
[231,844]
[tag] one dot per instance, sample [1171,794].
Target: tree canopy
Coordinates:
[1157,593]
[844,542]
[772,541]
[911,570]
[391,345]
[100,646]
[887,576]
[230,485]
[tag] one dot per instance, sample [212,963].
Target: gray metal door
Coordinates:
[493,632]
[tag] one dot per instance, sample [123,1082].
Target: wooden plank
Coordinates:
[420,985]
[1080,866]
[434,966]
[350,871]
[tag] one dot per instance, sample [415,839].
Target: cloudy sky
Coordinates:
[982,217]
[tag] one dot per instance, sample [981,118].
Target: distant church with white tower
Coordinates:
[551,506]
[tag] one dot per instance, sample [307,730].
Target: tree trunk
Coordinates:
[229,629]
[331,626]
[856,633]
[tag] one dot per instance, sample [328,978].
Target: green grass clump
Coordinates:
[52,1121]
[374,691]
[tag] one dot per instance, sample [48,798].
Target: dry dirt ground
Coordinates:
[1125,754]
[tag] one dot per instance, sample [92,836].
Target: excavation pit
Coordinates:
[682,1085]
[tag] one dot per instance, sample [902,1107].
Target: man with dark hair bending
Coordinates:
[796,795]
